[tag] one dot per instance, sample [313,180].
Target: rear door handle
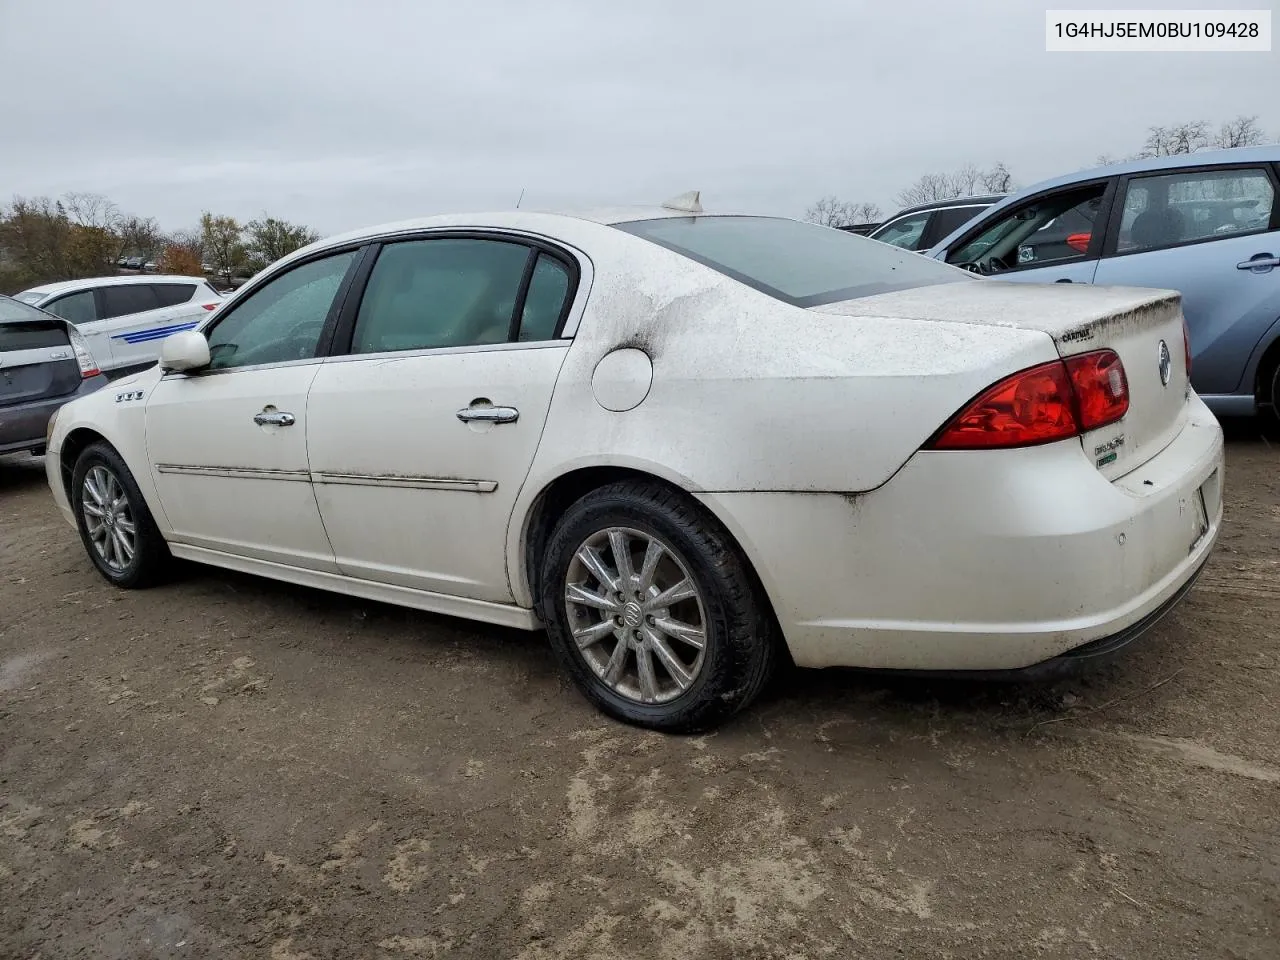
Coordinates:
[275,418]
[488,414]
[1261,262]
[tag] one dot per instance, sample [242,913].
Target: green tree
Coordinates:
[269,239]
[222,239]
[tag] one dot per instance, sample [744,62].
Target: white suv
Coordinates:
[124,319]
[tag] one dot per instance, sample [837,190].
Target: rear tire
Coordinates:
[115,524]
[1273,394]
[676,635]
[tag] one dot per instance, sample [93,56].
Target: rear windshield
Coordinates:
[798,263]
[26,328]
[30,297]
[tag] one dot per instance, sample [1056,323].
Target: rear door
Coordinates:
[1212,234]
[135,320]
[421,437]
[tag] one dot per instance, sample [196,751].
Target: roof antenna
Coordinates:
[520,198]
[686,202]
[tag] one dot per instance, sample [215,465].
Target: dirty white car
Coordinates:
[688,445]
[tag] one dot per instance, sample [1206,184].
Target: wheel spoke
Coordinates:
[684,632]
[621,549]
[679,673]
[684,590]
[653,553]
[126,543]
[648,682]
[577,593]
[125,525]
[92,509]
[617,662]
[591,559]
[586,636]
[91,488]
[113,549]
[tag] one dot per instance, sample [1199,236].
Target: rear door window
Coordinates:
[124,299]
[1171,209]
[946,221]
[172,294]
[79,307]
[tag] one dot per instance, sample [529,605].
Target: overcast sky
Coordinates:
[341,113]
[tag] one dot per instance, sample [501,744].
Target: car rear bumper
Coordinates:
[984,560]
[22,426]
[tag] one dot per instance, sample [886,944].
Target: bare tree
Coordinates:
[833,212]
[189,241]
[1174,140]
[1241,132]
[997,180]
[91,210]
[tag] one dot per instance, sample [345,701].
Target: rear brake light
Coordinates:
[1102,391]
[88,366]
[209,306]
[1052,401]
[1034,406]
[1079,241]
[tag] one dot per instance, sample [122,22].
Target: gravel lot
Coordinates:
[227,767]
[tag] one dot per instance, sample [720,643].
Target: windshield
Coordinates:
[798,263]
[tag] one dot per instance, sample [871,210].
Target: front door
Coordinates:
[1209,234]
[1055,237]
[421,437]
[228,444]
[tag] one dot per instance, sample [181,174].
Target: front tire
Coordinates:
[653,610]
[116,527]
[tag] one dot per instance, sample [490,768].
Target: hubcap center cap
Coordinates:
[632,615]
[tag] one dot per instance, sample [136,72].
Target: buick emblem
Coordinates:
[1166,364]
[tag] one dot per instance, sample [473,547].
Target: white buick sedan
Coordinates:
[689,446]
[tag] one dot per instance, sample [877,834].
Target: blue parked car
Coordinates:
[1204,224]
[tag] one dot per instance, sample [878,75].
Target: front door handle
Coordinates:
[1261,262]
[488,414]
[274,418]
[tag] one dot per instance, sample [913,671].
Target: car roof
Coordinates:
[67,286]
[533,221]
[1206,158]
[985,199]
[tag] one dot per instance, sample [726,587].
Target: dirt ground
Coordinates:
[228,767]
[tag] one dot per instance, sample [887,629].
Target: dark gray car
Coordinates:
[44,363]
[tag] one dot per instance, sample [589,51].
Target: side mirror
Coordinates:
[187,350]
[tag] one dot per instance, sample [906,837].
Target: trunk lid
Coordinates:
[37,361]
[1144,327]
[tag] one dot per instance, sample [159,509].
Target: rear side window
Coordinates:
[1164,211]
[172,294]
[949,219]
[798,263]
[25,328]
[76,307]
[546,300]
[440,293]
[124,299]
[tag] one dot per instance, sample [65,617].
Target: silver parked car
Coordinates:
[44,363]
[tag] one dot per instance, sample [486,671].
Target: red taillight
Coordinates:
[1053,401]
[1186,345]
[209,306]
[1102,391]
[1079,241]
[1034,406]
